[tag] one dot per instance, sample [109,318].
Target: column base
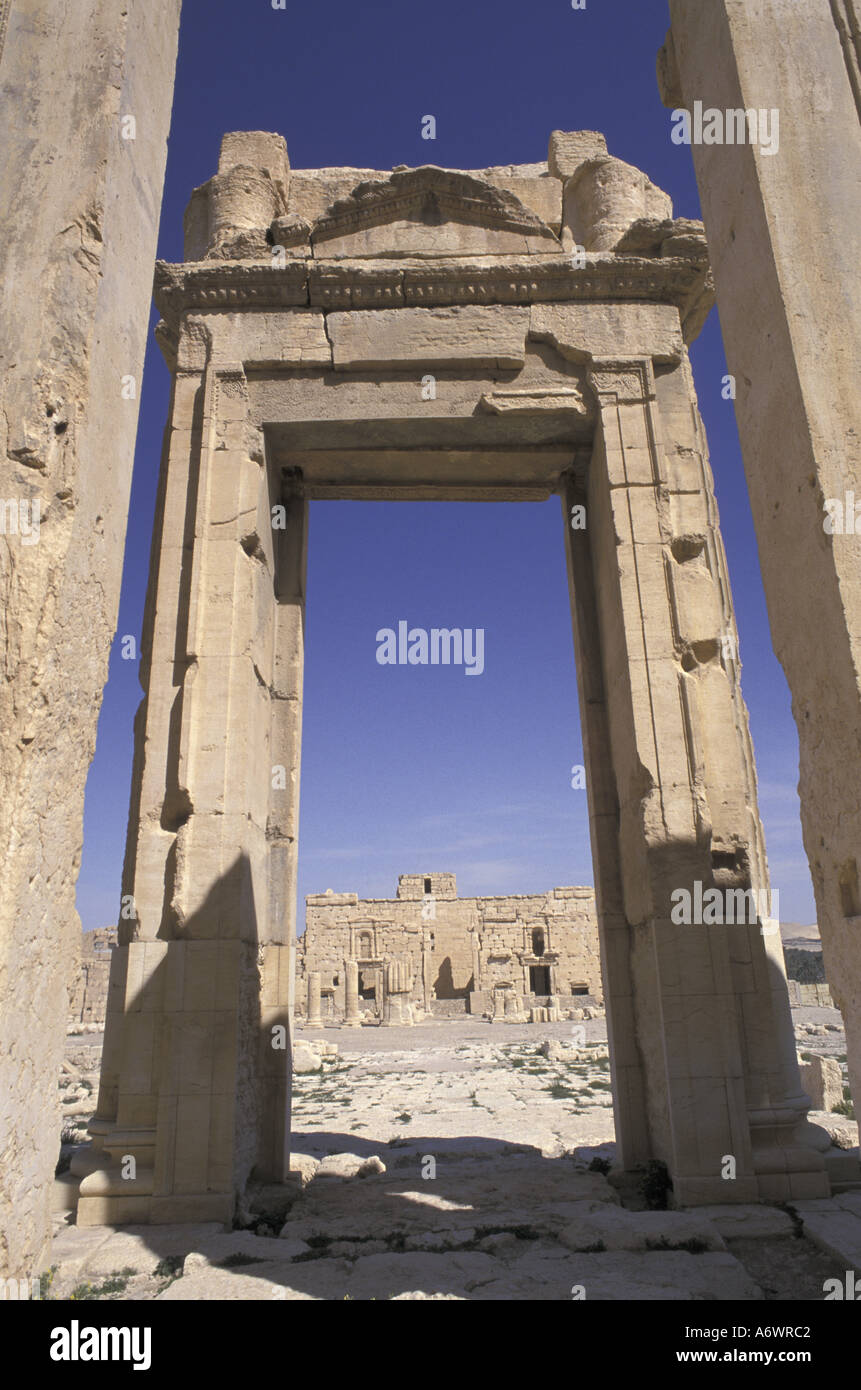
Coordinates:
[106,1198]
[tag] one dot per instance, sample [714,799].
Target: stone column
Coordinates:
[202,988]
[398,987]
[315,1016]
[796,403]
[352,1017]
[698,1014]
[78,253]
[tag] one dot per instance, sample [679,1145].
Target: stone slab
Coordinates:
[582,331]
[618,1229]
[460,335]
[748,1221]
[834,1228]
[142,1248]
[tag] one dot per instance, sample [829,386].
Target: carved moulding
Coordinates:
[346,284]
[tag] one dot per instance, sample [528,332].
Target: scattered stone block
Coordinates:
[822,1079]
[306,1060]
[350,1166]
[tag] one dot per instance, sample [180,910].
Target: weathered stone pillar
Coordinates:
[398,989]
[314,1017]
[701,1037]
[203,975]
[785,244]
[352,1017]
[77,252]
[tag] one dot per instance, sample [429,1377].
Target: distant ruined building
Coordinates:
[511,956]
[88,991]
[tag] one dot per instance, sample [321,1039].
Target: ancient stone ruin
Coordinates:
[88,990]
[459,952]
[507,333]
[512,332]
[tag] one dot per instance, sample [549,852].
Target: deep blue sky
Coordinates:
[420,769]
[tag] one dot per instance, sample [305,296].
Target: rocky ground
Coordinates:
[465,1161]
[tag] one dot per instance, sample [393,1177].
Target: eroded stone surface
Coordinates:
[74,303]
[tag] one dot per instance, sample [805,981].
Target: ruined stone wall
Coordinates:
[88,988]
[79,207]
[456,948]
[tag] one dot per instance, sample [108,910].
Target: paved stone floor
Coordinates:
[461,1161]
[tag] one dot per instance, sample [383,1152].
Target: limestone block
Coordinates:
[822,1079]
[543,195]
[73,1246]
[582,331]
[292,337]
[619,1229]
[142,1249]
[303,1165]
[569,149]
[314,191]
[835,1229]
[843,1132]
[347,1165]
[747,1221]
[470,335]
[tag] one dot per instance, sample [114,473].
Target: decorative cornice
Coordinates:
[202,286]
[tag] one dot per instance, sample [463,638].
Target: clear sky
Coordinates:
[413,769]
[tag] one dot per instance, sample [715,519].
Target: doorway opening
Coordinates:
[539,980]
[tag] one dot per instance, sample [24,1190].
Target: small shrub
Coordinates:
[115,1283]
[600,1165]
[656,1185]
[845,1106]
[559,1091]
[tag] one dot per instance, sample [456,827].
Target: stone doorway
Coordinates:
[434,334]
[539,980]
